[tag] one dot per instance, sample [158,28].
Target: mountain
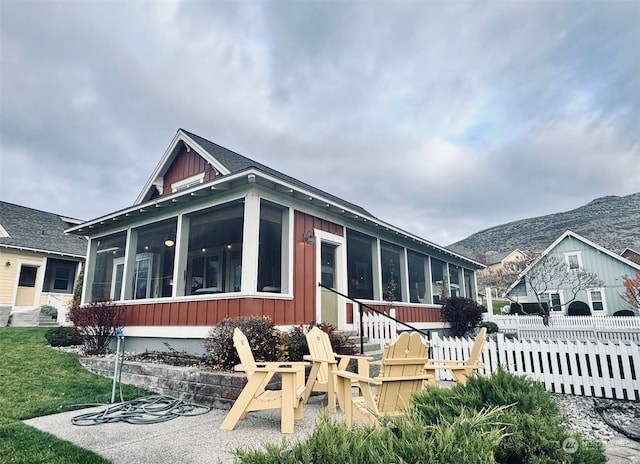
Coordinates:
[612,222]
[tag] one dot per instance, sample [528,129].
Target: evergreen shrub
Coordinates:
[61,336]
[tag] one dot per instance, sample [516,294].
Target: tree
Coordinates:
[631,290]
[550,273]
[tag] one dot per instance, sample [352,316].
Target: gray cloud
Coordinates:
[443,118]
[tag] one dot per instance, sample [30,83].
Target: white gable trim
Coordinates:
[4,233]
[169,155]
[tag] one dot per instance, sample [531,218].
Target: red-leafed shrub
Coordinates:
[464,315]
[297,343]
[265,340]
[95,324]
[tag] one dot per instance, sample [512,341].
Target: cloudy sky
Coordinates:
[443,118]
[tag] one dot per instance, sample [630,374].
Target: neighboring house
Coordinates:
[631,255]
[214,235]
[499,261]
[582,254]
[39,262]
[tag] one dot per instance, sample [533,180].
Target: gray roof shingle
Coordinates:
[235,162]
[38,230]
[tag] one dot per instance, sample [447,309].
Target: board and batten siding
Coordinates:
[609,269]
[185,165]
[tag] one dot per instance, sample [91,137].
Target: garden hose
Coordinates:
[147,410]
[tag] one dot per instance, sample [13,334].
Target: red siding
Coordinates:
[186,164]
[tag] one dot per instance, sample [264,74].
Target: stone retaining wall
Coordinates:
[191,384]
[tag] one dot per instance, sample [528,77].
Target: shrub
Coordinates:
[492,327]
[95,324]
[529,309]
[297,343]
[61,336]
[265,340]
[467,439]
[297,346]
[48,310]
[504,419]
[535,429]
[464,315]
[578,308]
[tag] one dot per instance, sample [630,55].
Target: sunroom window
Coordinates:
[437,279]
[360,265]
[109,267]
[214,262]
[155,252]
[417,281]
[391,265]
[270,250]
[454,280]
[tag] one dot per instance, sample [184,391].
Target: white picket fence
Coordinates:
[608,369]
[379,329]
[625,328]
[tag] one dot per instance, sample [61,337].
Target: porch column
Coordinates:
[89,271]
[129,265]
[180,259]
[250,237]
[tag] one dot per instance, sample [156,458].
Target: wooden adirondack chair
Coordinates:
[325,363]
[401,375]
[461,370]
[254,397]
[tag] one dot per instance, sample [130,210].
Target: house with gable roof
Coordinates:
[214,234]
[39,262]
[581,254]
[631,255]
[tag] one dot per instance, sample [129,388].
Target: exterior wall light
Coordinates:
[309,238]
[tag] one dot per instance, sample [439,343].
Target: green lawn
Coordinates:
[36,380]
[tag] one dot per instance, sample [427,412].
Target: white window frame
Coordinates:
[578,255]
[560,294]
[187,183]
[603,300]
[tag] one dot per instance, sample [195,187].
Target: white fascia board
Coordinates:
[151,204]
[37,250]
[251,174]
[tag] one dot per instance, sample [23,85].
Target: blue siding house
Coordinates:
[580,254]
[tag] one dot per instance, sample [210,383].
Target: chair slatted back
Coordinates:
[406,357]
[245,354]
[320,348]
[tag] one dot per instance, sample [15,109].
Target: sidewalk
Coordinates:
[198,440]
[184,440]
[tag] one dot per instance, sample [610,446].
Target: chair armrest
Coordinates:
[353,356]
[356,377]
[407,377]
[274,367]
[308,357]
